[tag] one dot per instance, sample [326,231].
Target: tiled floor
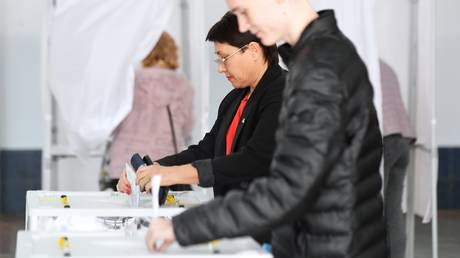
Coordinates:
[449,235]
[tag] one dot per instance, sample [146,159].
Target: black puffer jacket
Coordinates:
[322,198]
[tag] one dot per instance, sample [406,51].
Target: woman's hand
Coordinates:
[144,175]
[160,235]
[123,183]
[184,174]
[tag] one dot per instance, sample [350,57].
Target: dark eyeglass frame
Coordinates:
[222,61]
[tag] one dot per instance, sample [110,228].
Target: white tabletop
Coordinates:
[49,206]
[118,244]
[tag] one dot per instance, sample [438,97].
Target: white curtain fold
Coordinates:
[426,153]
[95,45]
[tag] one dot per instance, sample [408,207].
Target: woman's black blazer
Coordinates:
[254,141]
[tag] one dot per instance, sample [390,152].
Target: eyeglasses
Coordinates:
[221,61]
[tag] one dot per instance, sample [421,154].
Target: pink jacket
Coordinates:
[395,118]
[146,129]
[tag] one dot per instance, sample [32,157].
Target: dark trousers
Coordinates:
[396,159]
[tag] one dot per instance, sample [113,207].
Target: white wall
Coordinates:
[20,33]
[448,72]
[2,71]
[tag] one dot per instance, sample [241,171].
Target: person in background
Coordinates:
[162,114]
[322,196]
[398,136]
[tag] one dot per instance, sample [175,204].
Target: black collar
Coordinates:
[324,24]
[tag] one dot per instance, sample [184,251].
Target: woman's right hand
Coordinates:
[123,184]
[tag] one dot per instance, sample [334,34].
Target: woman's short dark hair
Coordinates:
[226,31]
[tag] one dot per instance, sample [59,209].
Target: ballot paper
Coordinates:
[155,181]
[135,189]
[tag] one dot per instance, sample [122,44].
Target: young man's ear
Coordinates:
[254,48]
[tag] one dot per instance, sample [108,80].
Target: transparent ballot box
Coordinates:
[52,211]
[117,244]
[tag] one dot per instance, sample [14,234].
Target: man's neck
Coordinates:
[303,14]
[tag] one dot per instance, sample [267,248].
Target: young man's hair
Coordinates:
[226,31]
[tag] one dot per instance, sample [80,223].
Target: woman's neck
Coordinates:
[260,74]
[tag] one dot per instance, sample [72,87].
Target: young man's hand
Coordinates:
[160,235]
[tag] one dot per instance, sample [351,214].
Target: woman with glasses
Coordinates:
[240,145]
